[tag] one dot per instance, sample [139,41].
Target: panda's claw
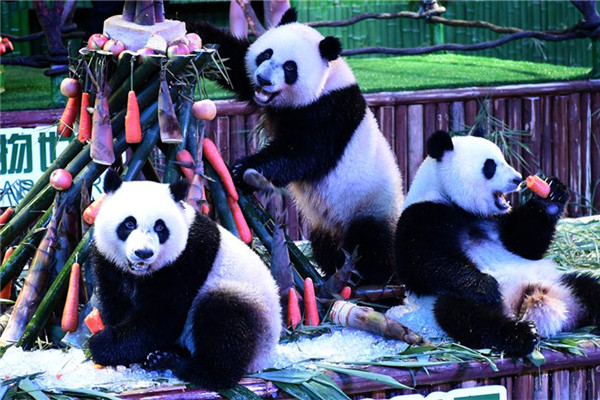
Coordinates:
[520,338]
[160,360]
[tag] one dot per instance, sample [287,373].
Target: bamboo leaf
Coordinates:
[537,358]
[239,392]
[325,391]
[384,379]
[295,390]
[403,364]
[293,376]
[87,393]
[32,389]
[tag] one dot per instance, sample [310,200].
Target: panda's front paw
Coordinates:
[102,346]
[555,203]
[160,360]
[237,173]
[520,338]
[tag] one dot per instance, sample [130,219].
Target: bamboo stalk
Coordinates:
[122,71]
[54,293]
[142,151]
[35,281]
[184,115]
[220,200]
[15,263]
[365,318]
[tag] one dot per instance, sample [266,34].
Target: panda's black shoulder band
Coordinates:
[438,143]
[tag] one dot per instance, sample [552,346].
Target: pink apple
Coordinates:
[97,41]
[195,43]
[70,87]
[177,50]
[114,46]
[61,179]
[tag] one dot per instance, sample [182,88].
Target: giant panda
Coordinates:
[459,241]
[324,144]
[176,291]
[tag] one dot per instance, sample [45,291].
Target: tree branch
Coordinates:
[253,22]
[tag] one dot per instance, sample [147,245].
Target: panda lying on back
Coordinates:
[458,240]
[170,282]
[324,143]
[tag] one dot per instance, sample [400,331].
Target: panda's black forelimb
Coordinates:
[326,250]
[232,50]
[225,331]
[529,228]
[485,326]
[428,244]
[586,288]
[306,142]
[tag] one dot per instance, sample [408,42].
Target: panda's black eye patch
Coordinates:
[161,230]
[128,225]
[489,168]
[290,71]
[264,56]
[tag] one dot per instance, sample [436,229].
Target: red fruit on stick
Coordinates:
[346,292]
[538,186]
[61,179]
[293,310]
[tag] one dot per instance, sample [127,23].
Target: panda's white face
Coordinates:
[141,228]
[286,66]
[475,176]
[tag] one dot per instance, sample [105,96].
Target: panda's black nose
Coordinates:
[144,254]
[262,81]
[517,181]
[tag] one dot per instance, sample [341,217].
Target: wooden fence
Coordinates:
[558,122]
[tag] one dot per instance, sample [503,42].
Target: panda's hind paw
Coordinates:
[520,338]
[160,360]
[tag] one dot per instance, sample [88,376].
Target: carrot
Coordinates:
[133,128]
[6,292]
[70,312]
[205,207]
[184,156]
[293,311]
[93,321]
[6,215]
[311,315]
[85,119]
[90,213]
[240,221]
[210,151]
[538,186]
[69,115]
[346,292]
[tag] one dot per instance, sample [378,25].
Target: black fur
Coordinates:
[290,16]
[126,227]
[161,231]
[234,50]
[489,168]
[330,48]
[307,142]
[179,190]
[143,314]
[225,328]
[587,289]
[438,143]
[264,56]
[529,228]
[290,71]
[112,181]
[484,326]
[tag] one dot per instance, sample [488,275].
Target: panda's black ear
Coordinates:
[289,17]
[330,48]
[112,181]
[179,190]
[438,143]
[478,132]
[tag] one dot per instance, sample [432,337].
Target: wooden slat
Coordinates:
[574,171]
[471,108]
[222,138]
[386,122]
[541,386]
[514,114]
[523,387]
[415,139]
[442,116]
[429,120]
[586,151]
[546,145]
[457,116]
[401,144]
[237,138]
[577,384]
[560,385]
[595,156]
[560,145]
[532,123]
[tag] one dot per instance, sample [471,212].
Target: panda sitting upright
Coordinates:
[459,240]
[174,286]
[324,144]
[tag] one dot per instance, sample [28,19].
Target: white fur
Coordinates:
[366,181]
[458,177]
[239,270]
[300,43]
[146,202]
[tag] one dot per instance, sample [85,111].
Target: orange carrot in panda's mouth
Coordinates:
[538,186]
